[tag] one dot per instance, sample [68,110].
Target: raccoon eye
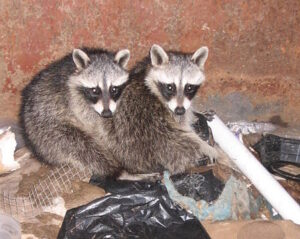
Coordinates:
[114,90]
[95,91]
[90,94]
[191,88]
[166,90]
[170,87]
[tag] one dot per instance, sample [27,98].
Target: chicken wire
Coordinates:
[42,193]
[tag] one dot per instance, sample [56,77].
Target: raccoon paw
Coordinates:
[209,114]
[212,153]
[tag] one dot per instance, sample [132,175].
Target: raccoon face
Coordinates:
[100,81]
[176,77]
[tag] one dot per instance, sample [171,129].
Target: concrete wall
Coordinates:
[253,70]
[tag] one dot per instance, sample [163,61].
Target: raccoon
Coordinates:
[65,106]
[153,129]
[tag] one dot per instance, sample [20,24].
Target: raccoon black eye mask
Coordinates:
[116,91]
[169,90]
[91,94]
[94,94]
[190,90]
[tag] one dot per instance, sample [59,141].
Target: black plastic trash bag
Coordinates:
[113,186]
[199,186]
[140,211]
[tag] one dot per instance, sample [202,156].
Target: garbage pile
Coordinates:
[132,210]
[174,206]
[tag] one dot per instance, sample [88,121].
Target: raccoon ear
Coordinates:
[80,59]
[158,56]
[200,56]
[122,57]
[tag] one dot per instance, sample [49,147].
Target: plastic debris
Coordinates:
[263,181]
[14,127]
[57,207]
[281,156]
[199,186]
[7,148]
[275,148]
[245,127]
[235,202]
[141,210]
[9,227]
[287,170]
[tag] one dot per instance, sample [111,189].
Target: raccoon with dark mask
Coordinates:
[152,127]
[65,106]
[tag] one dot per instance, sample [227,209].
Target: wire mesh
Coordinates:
[41,194]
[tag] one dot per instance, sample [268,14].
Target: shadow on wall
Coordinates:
[237,106]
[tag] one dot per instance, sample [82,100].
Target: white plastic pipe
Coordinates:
[276,195]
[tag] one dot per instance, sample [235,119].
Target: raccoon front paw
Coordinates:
[209,114]
[213,154]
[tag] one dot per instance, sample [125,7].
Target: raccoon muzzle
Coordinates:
[179,110]
[106,113]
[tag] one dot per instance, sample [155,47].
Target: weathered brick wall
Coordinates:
[253,70]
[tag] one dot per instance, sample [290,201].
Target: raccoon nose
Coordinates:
[106,113]
[179,110]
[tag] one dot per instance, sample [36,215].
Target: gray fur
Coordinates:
[145,135]
[60,125]
[177,69]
